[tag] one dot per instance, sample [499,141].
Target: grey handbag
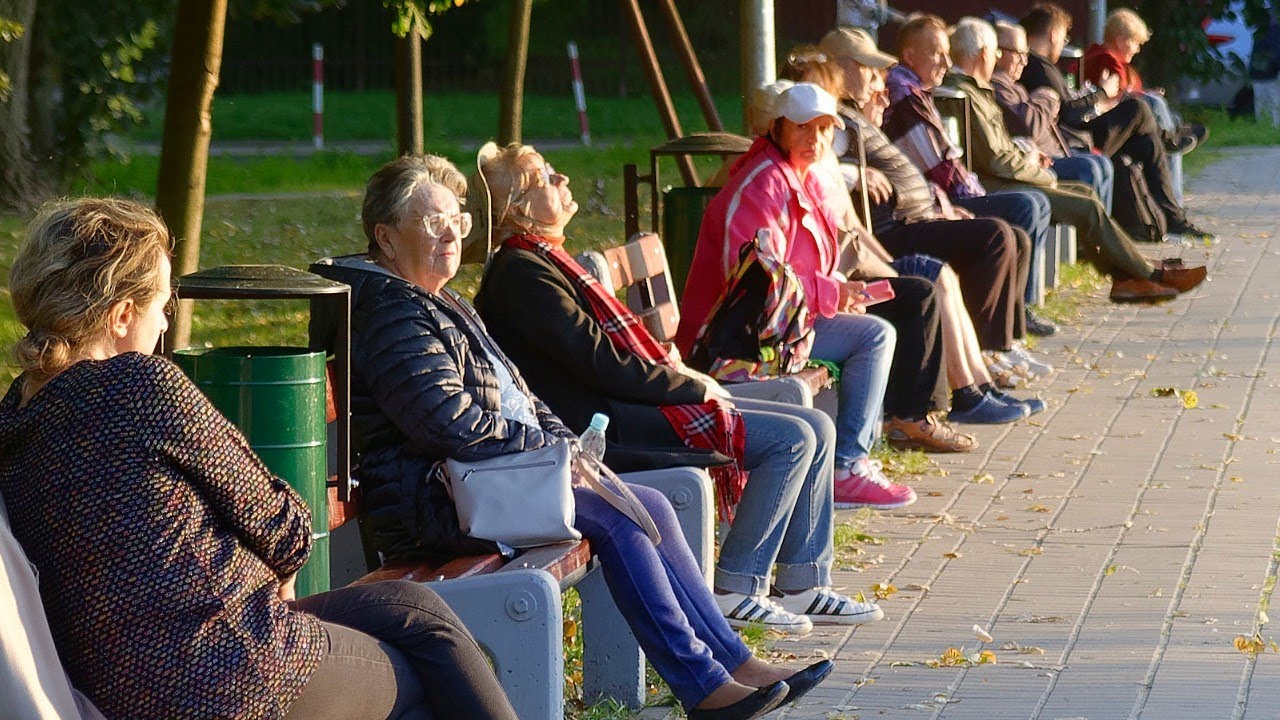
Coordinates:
[521,499]
[525,499]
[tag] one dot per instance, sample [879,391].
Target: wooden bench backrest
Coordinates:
[640,266]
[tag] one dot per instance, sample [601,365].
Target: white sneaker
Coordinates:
[743,610]
[1003,372]
[825,606]
[1021,354]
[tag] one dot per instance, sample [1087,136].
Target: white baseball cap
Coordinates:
[803,102]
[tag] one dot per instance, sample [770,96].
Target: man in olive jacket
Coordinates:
[1001,163]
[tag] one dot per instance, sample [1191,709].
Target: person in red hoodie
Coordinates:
[1123,37]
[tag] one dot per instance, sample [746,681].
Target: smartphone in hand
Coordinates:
[876,292]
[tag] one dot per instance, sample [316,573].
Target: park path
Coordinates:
[1114,546]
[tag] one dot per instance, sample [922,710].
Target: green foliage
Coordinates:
[104,58]
[1179,47]
[412,14]
[9,31]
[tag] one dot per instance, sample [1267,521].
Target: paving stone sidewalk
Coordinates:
[1114,546]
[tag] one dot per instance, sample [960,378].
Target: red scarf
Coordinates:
[711,425]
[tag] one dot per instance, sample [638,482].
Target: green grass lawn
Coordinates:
[447,119]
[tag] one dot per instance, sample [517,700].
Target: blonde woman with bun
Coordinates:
[166,549]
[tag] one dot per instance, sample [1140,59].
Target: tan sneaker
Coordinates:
[930,434]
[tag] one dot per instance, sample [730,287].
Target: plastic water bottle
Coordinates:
[593,439]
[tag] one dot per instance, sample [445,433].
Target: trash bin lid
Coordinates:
[249,282]
[708,143]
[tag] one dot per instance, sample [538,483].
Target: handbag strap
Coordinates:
[609,486]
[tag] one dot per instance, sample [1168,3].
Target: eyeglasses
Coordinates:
[437,224]
[547,174]
[1014,51]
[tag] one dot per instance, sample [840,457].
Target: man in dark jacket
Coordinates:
[1102,117]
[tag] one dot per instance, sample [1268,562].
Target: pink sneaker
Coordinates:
[866,486]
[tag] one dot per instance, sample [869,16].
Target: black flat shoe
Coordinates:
[807,679]
[756,704]
[1038,326]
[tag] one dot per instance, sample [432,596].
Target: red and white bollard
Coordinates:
[578,96]
[317,95]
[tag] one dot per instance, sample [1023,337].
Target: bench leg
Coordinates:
[689,490]
[1066,244]
[612,663]
[517,617]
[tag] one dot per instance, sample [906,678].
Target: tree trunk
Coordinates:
[195,61]
[21,181]
[409,92]
[511,101]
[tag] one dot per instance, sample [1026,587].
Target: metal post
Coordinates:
[317,96]
[1097,20]
[689,60]
[759,50]
[658,85]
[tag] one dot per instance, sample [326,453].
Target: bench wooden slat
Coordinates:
[566,562]
[817,378]
[340,512]
[434,570]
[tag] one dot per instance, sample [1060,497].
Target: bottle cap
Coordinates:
[600,422]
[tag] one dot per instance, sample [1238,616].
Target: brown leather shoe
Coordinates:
[930,434]
[1182,278]
[1140,290]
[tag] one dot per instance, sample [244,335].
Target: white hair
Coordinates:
[969,36]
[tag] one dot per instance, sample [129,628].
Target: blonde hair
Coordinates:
[508,179]
[812,64]
[1125,23]
[79,259]
[388,192]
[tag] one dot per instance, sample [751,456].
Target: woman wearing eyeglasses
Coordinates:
[429,383]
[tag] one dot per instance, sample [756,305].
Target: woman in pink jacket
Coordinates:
[770,187]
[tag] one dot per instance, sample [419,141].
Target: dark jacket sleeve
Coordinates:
[543,312]
[418,386]
[267,515]
[549,420]
[1075,111]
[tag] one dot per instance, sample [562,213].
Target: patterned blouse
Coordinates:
[160,539]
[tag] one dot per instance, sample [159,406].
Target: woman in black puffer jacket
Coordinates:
[429,384]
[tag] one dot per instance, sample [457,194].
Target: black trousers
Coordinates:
[992,262]
[917,377]
[396,651]
[1130,128]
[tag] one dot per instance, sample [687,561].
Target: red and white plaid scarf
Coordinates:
[712,425]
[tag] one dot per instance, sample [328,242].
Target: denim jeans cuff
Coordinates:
[740,583]
[791,578]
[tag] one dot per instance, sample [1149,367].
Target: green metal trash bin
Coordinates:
[276,396]
[682,211]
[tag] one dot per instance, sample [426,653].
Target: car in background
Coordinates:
[1232,41]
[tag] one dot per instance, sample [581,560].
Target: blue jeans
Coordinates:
[862,345]
[1028,209]
[1096,170]
[662,595]
[784,518]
